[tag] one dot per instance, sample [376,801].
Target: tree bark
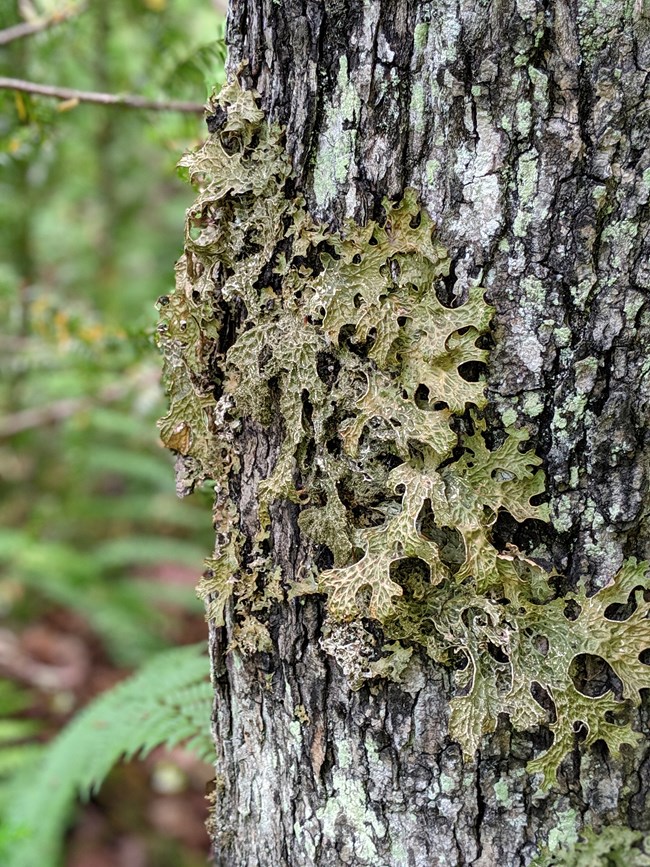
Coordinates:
[524,127]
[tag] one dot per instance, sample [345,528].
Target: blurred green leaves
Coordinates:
[91,224]
[90,228]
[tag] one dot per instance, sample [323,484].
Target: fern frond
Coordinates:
[13,758]
[121,611]
[166,703]
[17,746]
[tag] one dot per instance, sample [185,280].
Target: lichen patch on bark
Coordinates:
[537,113]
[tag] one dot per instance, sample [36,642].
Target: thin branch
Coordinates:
[52,413]
[29,28]
[68,93]
[60,410]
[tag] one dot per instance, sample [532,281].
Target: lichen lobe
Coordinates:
[386,449]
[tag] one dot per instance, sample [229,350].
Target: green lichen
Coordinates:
[615,846]
[420,35]
[372,752]
[339,343]
[527,181]
[347,806]
[344,755]
[447,783]
[336,146]
[533,404]
[417,106]
[398,852]
[563,516]
[523,115]
[565,832]
[295,730]
[502,793]
[432,168]
[597,20]
[576,405]
[562,336]
[539,80]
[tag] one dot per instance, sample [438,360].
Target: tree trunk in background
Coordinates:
[524,128]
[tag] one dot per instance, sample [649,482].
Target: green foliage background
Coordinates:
[91,222]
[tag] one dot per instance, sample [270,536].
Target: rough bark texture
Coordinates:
[525,128]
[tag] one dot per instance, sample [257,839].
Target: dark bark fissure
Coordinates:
[522,125]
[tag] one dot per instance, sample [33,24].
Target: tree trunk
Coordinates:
[523,127]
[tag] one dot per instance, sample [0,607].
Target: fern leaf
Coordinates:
[165,703]
[17,748]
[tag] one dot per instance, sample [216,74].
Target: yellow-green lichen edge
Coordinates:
[612,845]
[384,447]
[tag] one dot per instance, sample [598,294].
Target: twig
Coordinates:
[68,93]
[60,410]
[29,28]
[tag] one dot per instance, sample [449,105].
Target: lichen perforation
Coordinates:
[339,339]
